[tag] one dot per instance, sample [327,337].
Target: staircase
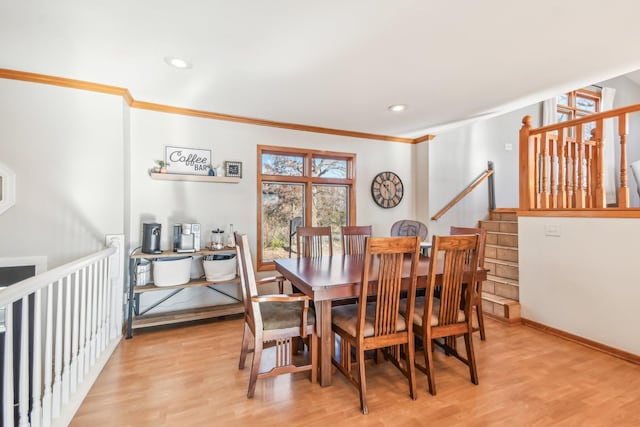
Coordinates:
[500,292]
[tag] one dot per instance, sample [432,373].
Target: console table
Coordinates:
[136,320]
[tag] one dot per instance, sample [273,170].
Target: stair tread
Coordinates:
[498,300]
[500,220]
[493,245]
[512,282]
[501,262]
[506,233]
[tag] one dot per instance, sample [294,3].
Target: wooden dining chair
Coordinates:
[311,241]
[353,238]
[368,326]
[443,318]
[476,302]
[273,319]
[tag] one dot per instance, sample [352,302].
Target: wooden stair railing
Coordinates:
[469,188]
[561,169]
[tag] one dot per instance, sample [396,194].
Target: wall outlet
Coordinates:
[508,147]
[552,230]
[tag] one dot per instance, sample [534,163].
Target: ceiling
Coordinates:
[332,63]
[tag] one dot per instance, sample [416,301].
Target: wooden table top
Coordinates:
[339,276]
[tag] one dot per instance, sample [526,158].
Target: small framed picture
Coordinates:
[233,169]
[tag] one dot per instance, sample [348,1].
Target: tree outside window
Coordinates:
[301,187]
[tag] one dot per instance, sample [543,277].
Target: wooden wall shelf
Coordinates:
[196,178]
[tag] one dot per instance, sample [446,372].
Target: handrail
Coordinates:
[562,167]
[60,327]
[484,175]
[29,286]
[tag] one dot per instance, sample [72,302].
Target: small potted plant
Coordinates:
[162,166]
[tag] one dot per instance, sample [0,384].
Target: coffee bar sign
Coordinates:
[189,161]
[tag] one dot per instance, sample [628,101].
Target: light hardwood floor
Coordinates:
[188,376]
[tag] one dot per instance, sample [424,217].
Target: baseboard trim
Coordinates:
[501,319]
[611,351]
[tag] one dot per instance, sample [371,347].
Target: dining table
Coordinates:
[330,278]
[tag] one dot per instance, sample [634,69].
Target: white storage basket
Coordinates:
[171,271]
[219,267]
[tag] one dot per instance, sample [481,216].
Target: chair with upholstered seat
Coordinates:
[379,324]
[409,227]
[442,317]
[273,319]
[476,303]
[353,238]
[314,241]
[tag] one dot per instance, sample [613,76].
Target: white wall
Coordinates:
[218,204]
[458,156]
[627,93]
[66,148]
[585,281]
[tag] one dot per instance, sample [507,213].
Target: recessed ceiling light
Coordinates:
[397,107]
[183,64]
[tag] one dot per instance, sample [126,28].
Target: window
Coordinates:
[579,103]
[301,187]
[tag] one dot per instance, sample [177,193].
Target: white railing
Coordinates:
[70,323]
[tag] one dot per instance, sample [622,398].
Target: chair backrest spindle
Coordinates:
[353,239]
[310,241]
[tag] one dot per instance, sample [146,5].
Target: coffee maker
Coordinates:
[151,238]
[186,237]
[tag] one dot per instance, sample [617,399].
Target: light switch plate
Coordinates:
[552,230]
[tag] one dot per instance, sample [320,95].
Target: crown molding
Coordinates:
[114,90]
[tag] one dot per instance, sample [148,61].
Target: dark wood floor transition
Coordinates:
[188,376]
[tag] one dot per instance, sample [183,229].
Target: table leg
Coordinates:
[324,330]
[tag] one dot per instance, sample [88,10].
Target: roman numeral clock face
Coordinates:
[387,190]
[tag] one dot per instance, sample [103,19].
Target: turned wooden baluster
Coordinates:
[600,197]
[580,190]
[588,175]
[562,170]
[553,161]
[572,176]
[544,159]
[623,191]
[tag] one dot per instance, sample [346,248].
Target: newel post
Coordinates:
[527,166]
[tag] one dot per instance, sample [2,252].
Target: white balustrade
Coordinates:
[72,314]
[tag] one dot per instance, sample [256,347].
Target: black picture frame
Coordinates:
[233,169]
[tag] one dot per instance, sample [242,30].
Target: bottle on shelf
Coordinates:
[231,239]
[216,239]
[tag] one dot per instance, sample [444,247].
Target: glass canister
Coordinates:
[216,238]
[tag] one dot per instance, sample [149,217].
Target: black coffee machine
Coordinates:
[151,238]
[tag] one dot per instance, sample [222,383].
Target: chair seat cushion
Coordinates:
[282,315]
[418,312]
[346,318]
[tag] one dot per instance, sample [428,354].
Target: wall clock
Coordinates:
[387,189]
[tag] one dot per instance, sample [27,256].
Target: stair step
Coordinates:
[501,290]
[506,253]
[502,287]
[503,226]
[500,268]
[501,308]
[503,280]
[503,215]
[502,239]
